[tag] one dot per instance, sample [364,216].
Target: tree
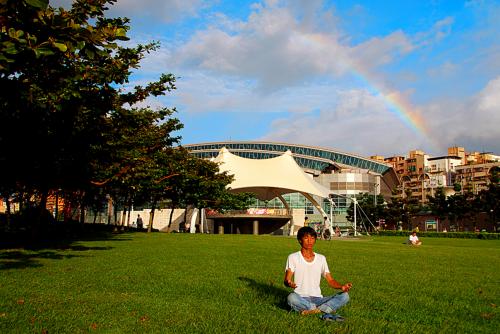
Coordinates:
[233,201]
[460,206]
[489,199]
[137,156]
[400,210]
[439,205]
[61,75]
[198,183]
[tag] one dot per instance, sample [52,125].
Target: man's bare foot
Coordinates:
[307,312]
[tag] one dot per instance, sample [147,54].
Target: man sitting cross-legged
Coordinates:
[303,273]
[413,239]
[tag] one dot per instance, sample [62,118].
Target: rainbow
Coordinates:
[396,102]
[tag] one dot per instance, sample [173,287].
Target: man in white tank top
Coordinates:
[303,273]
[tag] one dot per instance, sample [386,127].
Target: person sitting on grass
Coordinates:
[303,273]
[413,239]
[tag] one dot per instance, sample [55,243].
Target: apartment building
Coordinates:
[475,177]
[423,174]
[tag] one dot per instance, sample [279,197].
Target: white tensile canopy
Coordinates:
[268,178]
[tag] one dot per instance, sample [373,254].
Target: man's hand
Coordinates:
[346,287]
[288,279]
[291,284]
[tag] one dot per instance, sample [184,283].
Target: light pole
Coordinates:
[355,221]
[355,202]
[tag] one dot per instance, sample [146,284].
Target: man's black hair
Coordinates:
[306,230]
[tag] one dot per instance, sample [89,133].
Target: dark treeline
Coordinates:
[72,128]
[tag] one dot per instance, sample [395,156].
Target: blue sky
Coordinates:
[366,77]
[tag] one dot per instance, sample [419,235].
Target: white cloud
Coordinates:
[439,31]
[489,100]
[473,123]
[198,92]
[278,49]
[380,51]
[360,122]
[442,28]
[165,11]
[443,70]
[61,3]
[291,57]
[157,10]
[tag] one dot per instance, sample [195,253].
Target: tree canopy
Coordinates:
[70,123]
[62,75]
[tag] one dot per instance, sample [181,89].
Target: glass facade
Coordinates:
[298,201]
[312,158]
[307,157]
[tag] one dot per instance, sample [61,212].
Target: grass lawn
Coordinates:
[184,283]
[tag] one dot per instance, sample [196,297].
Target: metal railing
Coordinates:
[251,211]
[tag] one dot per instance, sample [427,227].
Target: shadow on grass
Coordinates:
[59,235]
[19,259]
[268,291]
[22,259]
[23,250]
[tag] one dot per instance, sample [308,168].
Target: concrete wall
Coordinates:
[160,220]
[299,216]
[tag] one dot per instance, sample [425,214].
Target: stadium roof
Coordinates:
[268,178]
[308,157]
[313,160]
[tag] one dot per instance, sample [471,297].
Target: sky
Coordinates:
[366,77]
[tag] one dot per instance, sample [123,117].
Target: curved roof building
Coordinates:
[314,160]
[342,175]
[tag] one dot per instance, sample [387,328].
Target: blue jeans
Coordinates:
[327,304]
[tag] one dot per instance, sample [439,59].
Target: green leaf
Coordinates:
[80,45]
[42,4]
[89,53]
[10,48]
[61,46]
[43,51]
[120,32]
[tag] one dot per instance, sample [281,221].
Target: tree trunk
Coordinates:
[200,221]
[129,211]
[170,218]
[21,201]
[82,214]
[82,209]
[7,212]
[110,209]
[56,211]
[152,216]
[36,225]
[115,218]
[185,214]
[124,214]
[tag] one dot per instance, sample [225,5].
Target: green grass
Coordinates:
[183,283]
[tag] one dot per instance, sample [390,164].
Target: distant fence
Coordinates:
[459,235]
[252,211]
